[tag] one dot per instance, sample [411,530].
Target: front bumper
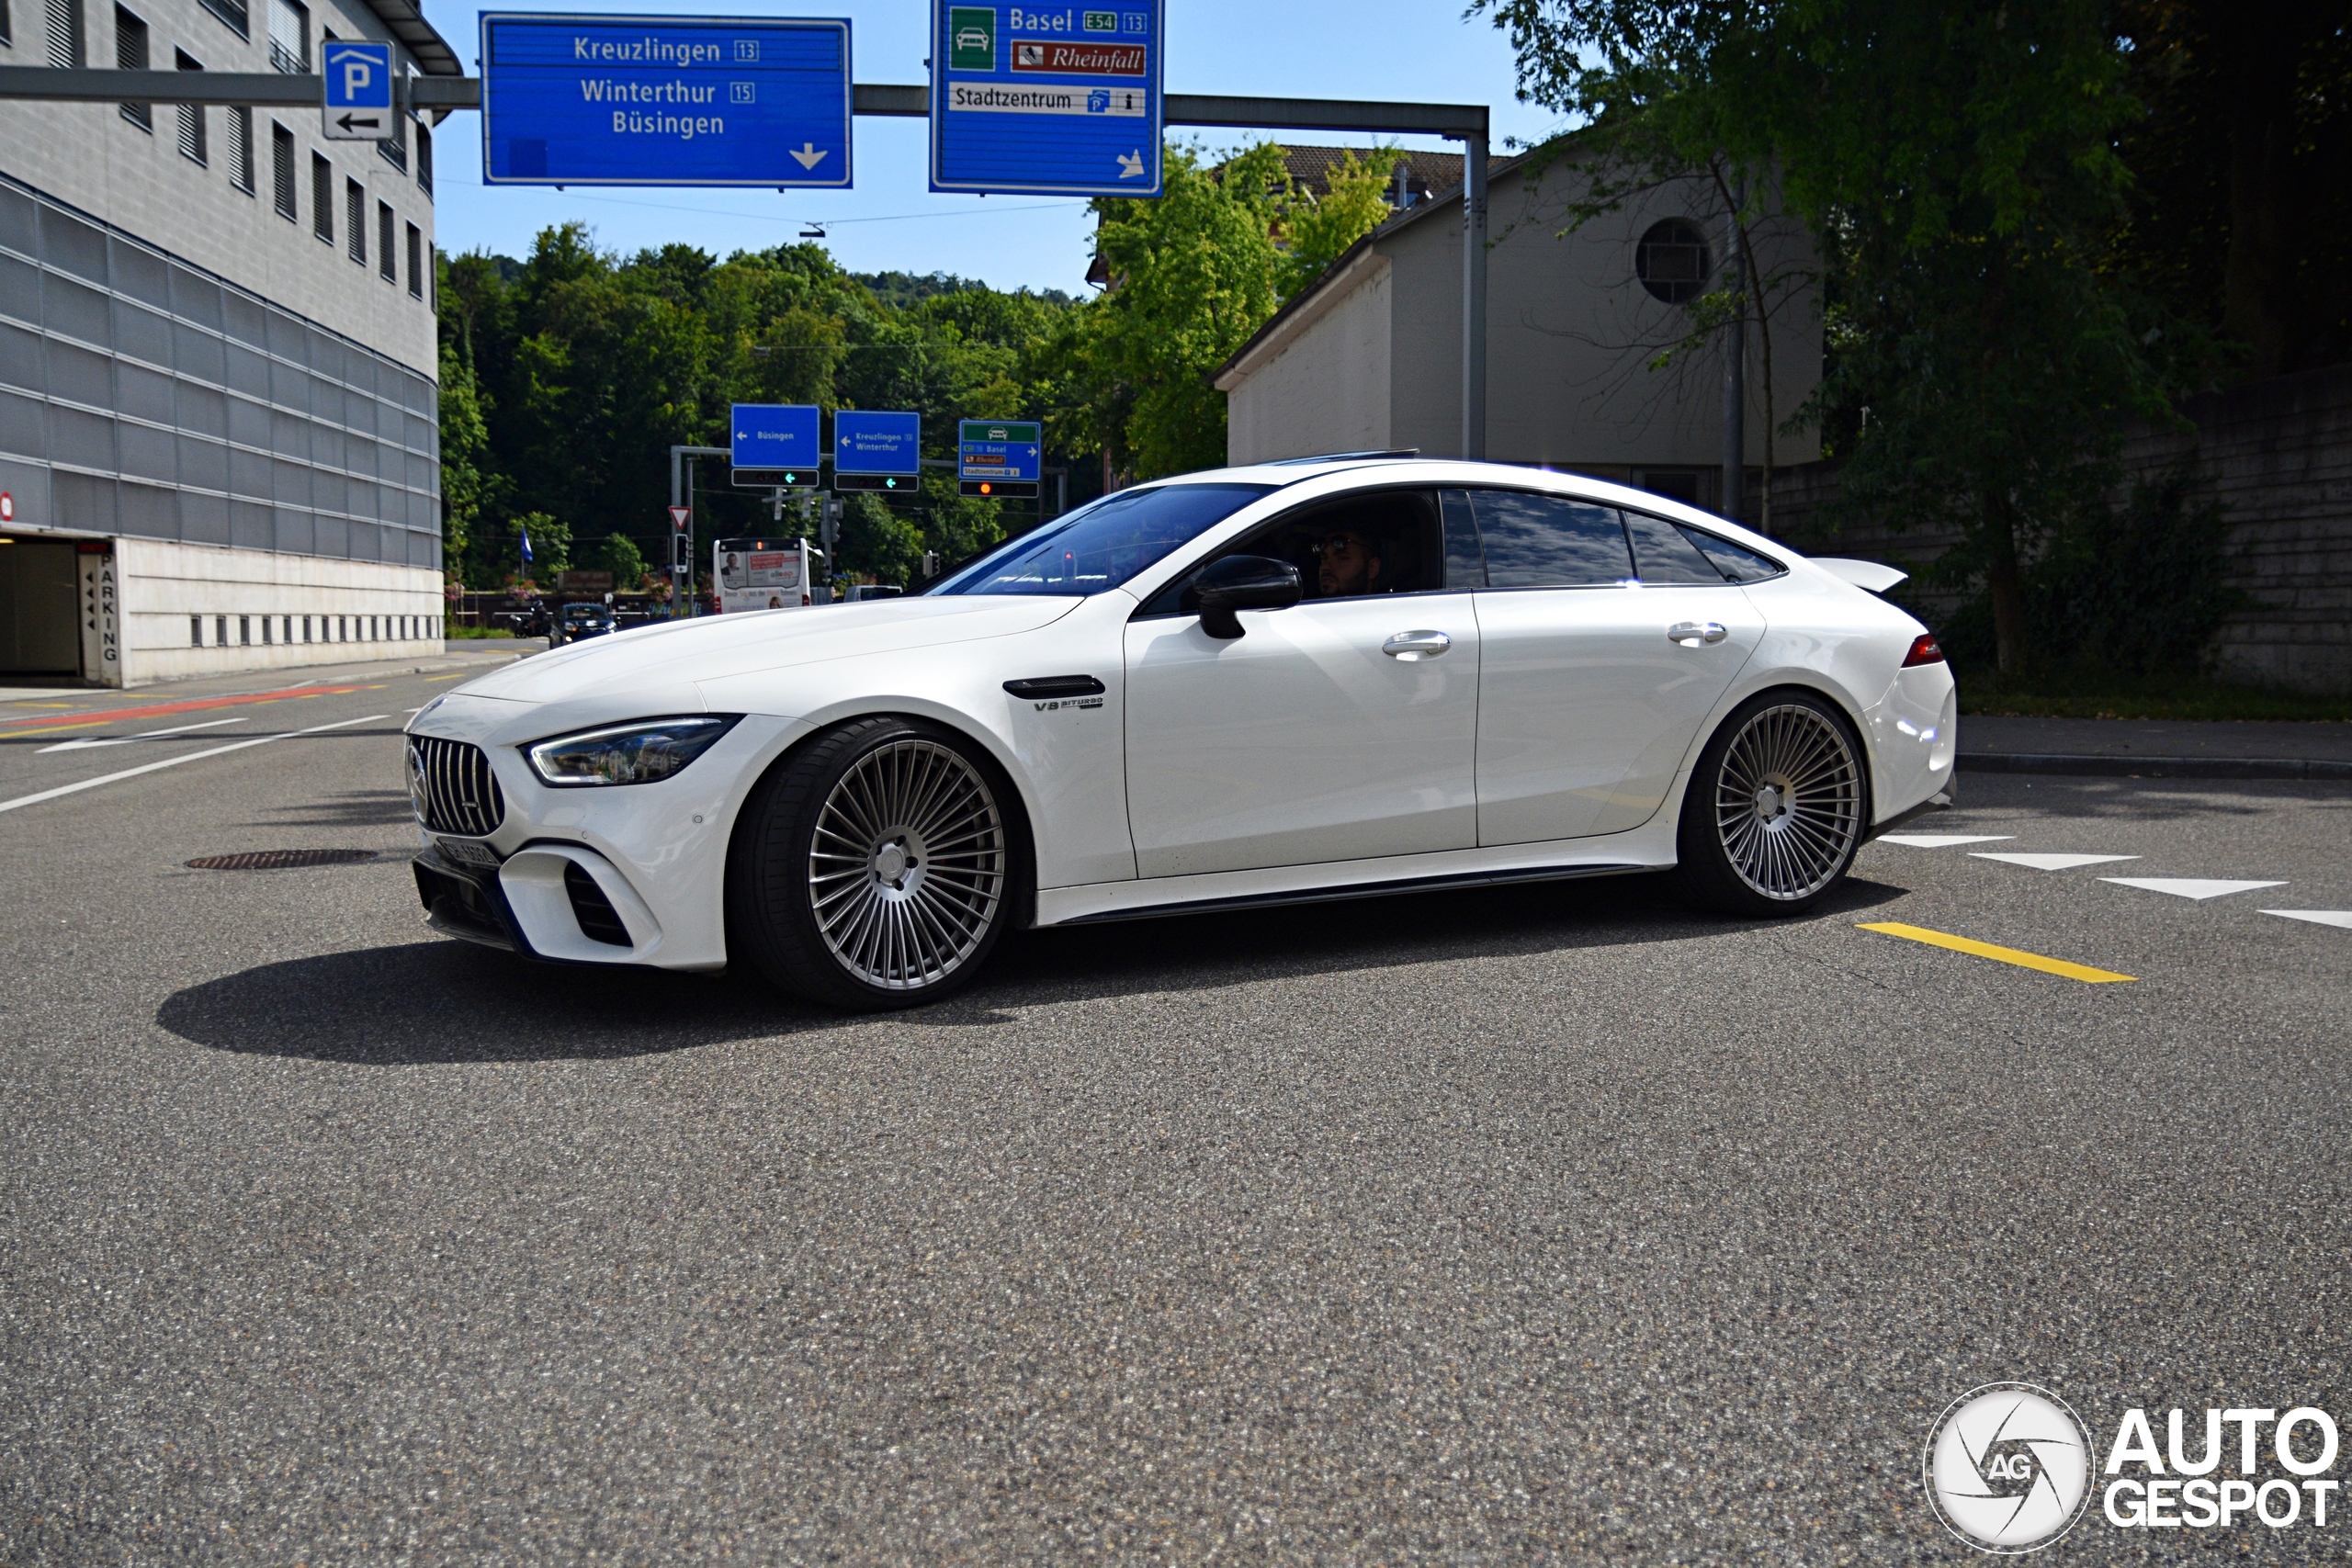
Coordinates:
[631,875]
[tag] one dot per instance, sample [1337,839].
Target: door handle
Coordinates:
[1412,646]
[1691,634]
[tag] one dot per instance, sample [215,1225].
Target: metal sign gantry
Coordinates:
[440,95]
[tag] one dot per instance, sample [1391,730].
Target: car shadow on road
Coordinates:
[445,1001]
[347,808]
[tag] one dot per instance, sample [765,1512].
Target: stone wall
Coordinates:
[2276,454]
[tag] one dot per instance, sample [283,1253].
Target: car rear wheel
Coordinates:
[1776,809]
[877,867]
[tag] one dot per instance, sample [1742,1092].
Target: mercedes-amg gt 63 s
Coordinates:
[1299,681]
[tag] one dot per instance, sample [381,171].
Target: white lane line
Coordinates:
[92,744]
[175,761]
[1940,841]
[2048,862]
[2340,918]
[2189,887]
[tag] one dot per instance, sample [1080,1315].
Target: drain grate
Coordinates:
[281,860]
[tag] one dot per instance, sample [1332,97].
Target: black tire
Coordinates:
[877,866]
[1777,808]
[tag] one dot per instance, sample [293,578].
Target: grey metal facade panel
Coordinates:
[225,419]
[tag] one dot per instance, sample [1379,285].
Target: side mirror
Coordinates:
[1243,583]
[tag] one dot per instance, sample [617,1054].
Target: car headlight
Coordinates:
[645,753]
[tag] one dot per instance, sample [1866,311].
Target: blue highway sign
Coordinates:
[664,101]
[866,441]
[877,450]
[777,437]
[359,87]
[1063,100]
[999,456]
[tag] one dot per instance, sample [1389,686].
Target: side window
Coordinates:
[1466,563]
[1350,547]
[1736,562]
[1550,541]
[1664,556]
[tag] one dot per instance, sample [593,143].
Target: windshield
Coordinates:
[1103,545]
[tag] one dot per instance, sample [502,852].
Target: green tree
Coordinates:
[875,542]
[1194,274]
[1317,229]
[1956,164]
[550,544]
[621,557]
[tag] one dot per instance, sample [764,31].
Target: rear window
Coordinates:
[1102,546]
[1666,556]
[1735,562]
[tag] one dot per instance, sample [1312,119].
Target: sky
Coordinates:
[1378,49]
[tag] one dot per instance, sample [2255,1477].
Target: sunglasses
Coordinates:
[1339,543]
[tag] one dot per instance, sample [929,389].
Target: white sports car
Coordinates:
[1320,678]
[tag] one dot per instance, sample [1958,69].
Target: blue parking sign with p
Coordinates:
[357,81]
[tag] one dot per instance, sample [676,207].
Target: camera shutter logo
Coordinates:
[2008,1467]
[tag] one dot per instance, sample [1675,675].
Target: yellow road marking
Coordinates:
[1998,954]
[459,676]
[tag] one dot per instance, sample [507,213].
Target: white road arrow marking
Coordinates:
[2189,887]
[1939,840]
[810,155]
[2049,863]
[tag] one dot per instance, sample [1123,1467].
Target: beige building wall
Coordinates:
[1326,388]
[203,610]
[1572,338]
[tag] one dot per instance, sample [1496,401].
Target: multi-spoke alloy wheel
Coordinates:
[907,869]
[1776,809]
[877,866]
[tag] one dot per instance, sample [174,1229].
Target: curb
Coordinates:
[2305,768]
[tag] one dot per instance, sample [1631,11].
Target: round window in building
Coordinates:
[1672,261]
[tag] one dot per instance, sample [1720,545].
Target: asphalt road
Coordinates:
[1554,1224]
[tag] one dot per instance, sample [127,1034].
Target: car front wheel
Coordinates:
[875,868]
[1776,809]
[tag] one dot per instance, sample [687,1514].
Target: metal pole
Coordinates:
[1734,482]
[677,497]
[1474,296]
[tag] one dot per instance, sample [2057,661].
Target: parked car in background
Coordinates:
[580,622]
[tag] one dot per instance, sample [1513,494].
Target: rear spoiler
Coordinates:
[1866,574]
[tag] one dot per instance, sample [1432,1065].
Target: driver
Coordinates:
[1348,564]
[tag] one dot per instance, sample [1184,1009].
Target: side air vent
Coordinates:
[599,922]
[449,784]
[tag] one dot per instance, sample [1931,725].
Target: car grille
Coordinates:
[451,787]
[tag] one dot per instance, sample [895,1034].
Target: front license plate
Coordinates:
[467,851]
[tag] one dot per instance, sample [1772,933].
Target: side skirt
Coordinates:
[1355,890]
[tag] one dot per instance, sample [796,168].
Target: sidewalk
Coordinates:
[2157,748]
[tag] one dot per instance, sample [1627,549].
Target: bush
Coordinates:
[2131,590]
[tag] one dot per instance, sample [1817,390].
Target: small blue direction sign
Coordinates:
[998,458]
[775,445]
[1063,100]
[664,101]
[358,85]
[877,450]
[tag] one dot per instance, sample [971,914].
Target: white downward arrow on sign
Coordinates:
[810,155]
[1130,164]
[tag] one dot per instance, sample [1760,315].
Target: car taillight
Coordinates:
[1924,651]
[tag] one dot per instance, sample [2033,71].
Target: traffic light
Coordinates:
[681,553]
[998,489]
[892,484]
